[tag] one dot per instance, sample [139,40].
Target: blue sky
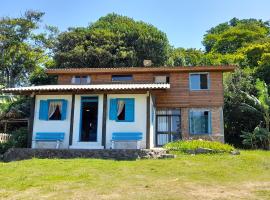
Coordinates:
[184,21]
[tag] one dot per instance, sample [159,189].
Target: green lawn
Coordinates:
[187,177]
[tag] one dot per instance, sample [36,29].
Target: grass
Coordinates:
[185,145]
[220,176]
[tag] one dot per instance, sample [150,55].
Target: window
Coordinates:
[161,79]
[52,109]
[168,126]
[55,110]
[200,122]
[122,109]
[199,81]
[81,80]
[122,78]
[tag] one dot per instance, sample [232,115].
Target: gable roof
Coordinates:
[122,70]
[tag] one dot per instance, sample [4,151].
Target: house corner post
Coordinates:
[71,120]
[104,121]
[31,121]
[148,121]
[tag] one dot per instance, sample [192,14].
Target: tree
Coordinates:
[21,51]
[113,40]
[185,57]
[237,117]
[228,37]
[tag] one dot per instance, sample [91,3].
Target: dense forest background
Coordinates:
[27,47]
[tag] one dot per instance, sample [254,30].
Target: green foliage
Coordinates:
[21,49]
[259,138]
[39,77]
[112,41]
[184,146]
[240,113]
[18,140]
[15,107]
[228,37]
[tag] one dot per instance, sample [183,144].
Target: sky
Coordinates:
[184,21]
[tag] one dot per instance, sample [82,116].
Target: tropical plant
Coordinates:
[261,104]
[259,138]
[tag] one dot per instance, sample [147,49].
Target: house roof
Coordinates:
[122,70]
[102,87]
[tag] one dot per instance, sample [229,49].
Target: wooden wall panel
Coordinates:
[178,95]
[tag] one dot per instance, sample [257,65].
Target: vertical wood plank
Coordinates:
[71,119]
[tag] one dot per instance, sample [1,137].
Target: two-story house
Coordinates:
[134,107]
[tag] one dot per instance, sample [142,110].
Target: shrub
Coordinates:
[259,138]
[186,145]
[18,139]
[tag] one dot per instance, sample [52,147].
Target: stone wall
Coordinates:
[117,154]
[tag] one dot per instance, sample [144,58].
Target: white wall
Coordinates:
[139,124]
[76,125]
[50,125]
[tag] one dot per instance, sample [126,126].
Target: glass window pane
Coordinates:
[84,80]
[122,77]
[175,124]
[77,80]
[160,79]
[55,110]
[162,124]
[195,81]
[199,122]
[162,139]
[162,112]
[204,81]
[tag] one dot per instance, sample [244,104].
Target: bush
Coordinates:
[18,139]
[187,145]
[258,139]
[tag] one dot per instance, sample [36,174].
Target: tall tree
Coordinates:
[113,40]
[230,36]
[21,51]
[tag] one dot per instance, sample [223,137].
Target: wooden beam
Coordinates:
[104,120]
[148,122]
[31,121]
[71,119]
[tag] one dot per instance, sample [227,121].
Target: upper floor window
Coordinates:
[199,81]
[161,79]
[81,80]
[122,77]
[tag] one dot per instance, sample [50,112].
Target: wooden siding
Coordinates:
[179,95]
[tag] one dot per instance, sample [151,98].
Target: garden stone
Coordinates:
[203,150]
[235,152]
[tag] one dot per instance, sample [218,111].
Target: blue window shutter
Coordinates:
[64,109]
[129,107]
[113,109]
[43,110]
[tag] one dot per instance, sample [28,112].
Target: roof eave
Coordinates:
[123,70]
